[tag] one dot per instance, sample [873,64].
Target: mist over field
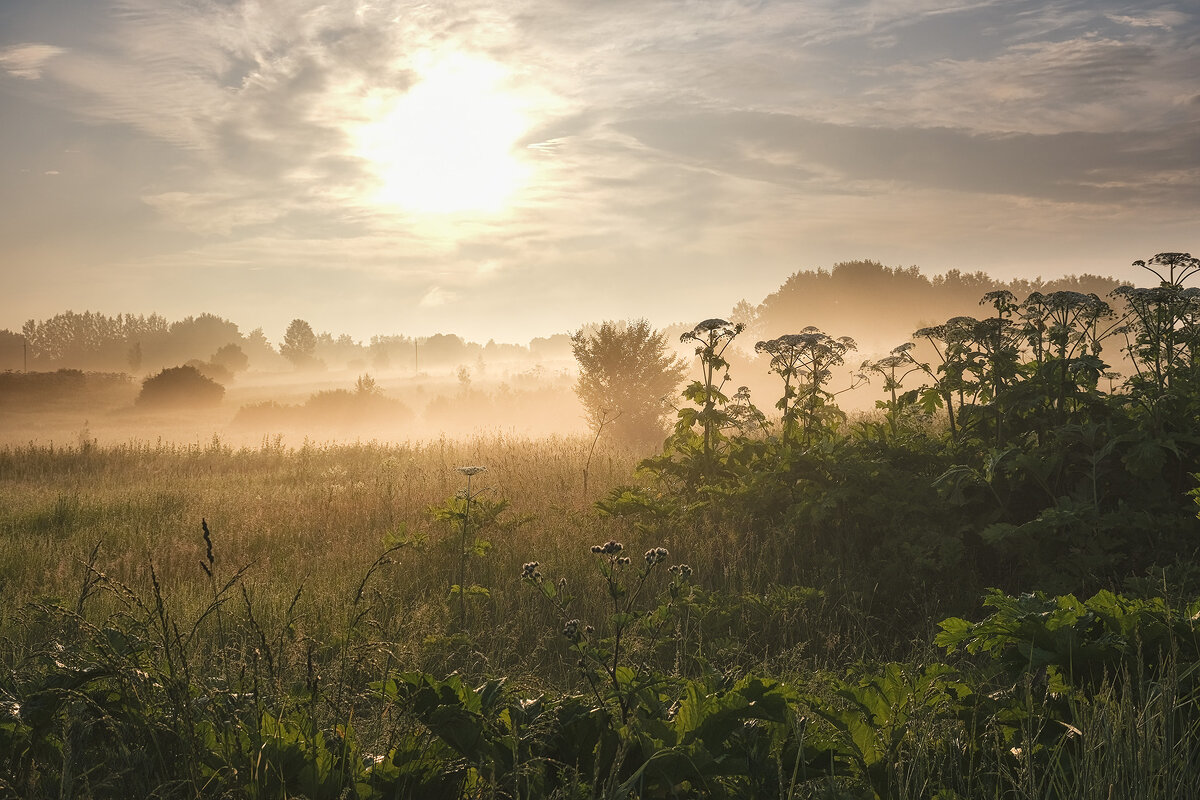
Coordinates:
[740,400]
[398,387]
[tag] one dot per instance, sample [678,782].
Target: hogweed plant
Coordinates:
[1161,328]
[895,368]
[805,361]
[712,338]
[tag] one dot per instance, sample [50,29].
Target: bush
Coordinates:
[62,388]
[211,370]
[180,386]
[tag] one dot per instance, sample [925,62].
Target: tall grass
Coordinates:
[184,621]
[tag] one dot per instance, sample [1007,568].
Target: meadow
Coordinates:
[984,588]
[308,637]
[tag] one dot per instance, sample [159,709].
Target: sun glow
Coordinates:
[447,144]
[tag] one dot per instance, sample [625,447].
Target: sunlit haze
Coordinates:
[448,144]
[510,170]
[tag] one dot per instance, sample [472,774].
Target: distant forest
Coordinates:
[128,343]
[879,306]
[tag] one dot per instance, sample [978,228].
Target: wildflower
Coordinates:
[609,548]
[711,330]
[469,471]
[711,324]
[656,555]
[571,630]
[680,570]
[530,572]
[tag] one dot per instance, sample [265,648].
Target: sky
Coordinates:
[516,169]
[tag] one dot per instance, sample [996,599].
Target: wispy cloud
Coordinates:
[27,60]
[1165,19]
[659,138]
[436,297]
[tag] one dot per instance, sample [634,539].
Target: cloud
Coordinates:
[436,297]
[1155,167]
[1162,19]
[665,139]
[27,60]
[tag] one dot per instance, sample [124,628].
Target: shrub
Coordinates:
[180,386]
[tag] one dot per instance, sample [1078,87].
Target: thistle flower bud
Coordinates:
[656,555]
[680,570]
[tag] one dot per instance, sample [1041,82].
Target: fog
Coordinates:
[79,378]
[73,408]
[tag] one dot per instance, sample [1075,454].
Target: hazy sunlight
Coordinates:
[446,145]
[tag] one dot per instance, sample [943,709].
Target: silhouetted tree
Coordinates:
[231,358]
[627,376]
[135,356]
[180,386]
[366,386]
[12,351]
[262,354]
[552,347]
[195,337]
[299,344]
[341,350]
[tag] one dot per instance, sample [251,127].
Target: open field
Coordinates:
[326,600]
[985,588]
[313,517]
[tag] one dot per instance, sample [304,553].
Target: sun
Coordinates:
[447,144]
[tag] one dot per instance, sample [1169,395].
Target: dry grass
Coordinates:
[311,518]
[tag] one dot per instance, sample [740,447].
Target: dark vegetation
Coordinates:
[986,589]
[884,304]
[125,342]
[180,387]
[62,387]
[332,407]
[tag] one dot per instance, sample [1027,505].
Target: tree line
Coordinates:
[214,345]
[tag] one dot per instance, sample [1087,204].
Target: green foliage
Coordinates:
[804,666]
[1080,642]
[805,362]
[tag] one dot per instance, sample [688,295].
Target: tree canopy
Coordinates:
[627,376]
